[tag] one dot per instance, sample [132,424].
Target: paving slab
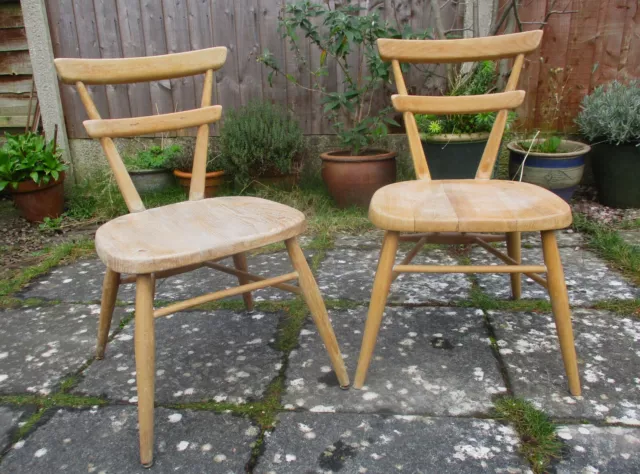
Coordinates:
[348,274]
[355,443]
[200,355]
[82,281]
[632,237]
[588,277]
[9,417]
[593,449]
[41,345]
[434,361]
[608,348]
[106,441]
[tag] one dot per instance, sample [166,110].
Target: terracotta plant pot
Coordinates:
[558,172]
[36,202]
[212,183]
[352,180]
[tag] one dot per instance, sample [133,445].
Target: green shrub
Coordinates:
[258,138]
[184,161]
[29,156]
[483,81]
[153,158]
[548,145]
[611,113]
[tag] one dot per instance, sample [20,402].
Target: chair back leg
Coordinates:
[240,262]
[145,350]
[381,286]
[561,312]
[107,305]
[513,250]
[313,298]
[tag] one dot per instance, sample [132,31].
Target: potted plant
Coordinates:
[182,165]
[345,36]
[149,168]
[453,144]
[552,163]
[261,142]
[610,119]
[33,171]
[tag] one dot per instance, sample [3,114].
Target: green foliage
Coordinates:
[346,35]
[51,224]
[611,113]
[153,158]
[548,145]
[258,138]
[482,81]
[184,161]
[29,157]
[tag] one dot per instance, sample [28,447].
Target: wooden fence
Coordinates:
[599,42]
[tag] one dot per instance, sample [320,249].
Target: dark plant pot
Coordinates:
[213,181]
[36,202]
[454,156]
[352,180]
[615,171]
[560,173]
[152,180]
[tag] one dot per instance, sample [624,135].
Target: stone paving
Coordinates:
[427,407]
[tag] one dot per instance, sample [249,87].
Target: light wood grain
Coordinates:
[145,351]
[142,69]
[469,269]
[451,237]
[199,170]
[447,105]
[234,271]
[131,127]
[110,287]
[194,231]
[318,311]
[514,251]
[240,262]
[458,50]
[381,286]
[467,206]
[561,310]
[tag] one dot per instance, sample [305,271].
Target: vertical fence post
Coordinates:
[36,24]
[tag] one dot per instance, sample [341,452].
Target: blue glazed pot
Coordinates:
[558,172]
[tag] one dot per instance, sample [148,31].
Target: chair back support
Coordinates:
[153,68]
[454,51]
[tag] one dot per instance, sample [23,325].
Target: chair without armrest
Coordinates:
[165,241]
[462,211]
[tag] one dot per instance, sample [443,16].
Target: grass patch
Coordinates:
[55,256]
[539,443]
[609,245]
[10,302]
[58,399]
[622,307]
[480,299]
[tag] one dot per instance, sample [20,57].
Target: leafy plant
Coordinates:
[258,138]
[153,158]
[482,81]
[51,224]
[547,145]
[29,157]
[610,113]
[184,161]
[345,36]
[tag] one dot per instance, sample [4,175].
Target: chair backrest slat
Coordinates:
[153,68]
[144,69]
[131,127]
[464,104]
[458,50]
[448,51]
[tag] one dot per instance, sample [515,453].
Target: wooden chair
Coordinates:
[157,243]
[461,211]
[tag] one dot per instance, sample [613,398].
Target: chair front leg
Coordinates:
[145,349]
[381,286]
[561,311]
[107,305]
[514,240]
[240,262]
[313,298]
